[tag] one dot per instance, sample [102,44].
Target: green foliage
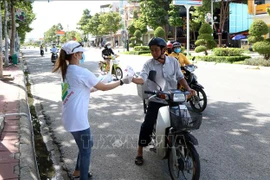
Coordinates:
[141,48]
[82,24]
[228,51]
[205,39]
[159,32]
[50,35]
[226,59]
[258,28]
[24,26]
[110,22]
[257,62]
[174,18]
[253,39]
[206,29]
[154,12]
[200,49]
[136,39]
[93,24]
[263,48]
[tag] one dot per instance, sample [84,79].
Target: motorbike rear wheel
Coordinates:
[118,73]
[186,164]
[198,102]
[102,67]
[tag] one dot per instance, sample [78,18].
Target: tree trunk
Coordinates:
[219,39]
[13,22]
[6,33]
[1,59]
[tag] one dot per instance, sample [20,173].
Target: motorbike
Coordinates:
[198,102]
[171,137]
[42,52]
[115,69]
[54,57]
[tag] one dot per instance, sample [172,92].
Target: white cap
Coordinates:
[72,47]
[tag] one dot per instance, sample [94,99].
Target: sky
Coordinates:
[68,13]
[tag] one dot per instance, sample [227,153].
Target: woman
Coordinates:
[76,87]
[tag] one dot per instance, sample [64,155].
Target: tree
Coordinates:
[205,39]
[110,23]
[174,19]
[223,16]
[159,32]
[136,39]
[92,25]
[257,29]
[50,35]
[24,25]
[82,24]
[154,12]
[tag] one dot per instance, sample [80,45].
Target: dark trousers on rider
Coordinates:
[148,124]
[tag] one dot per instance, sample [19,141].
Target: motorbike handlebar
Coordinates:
[150,92]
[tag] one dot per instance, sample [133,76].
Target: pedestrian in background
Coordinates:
[76,87]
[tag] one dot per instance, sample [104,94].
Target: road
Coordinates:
[233,138]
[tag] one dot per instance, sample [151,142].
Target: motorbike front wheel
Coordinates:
[186,164]
[198,102]
[118,73]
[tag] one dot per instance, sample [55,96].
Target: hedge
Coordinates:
[228,51]
[141,48]
[227,59]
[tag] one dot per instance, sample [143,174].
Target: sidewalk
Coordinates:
[16,150]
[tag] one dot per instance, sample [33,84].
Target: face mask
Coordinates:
[169,51]
[109,47]
[82,60]
[177,50]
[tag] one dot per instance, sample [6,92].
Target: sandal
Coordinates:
[139,160]
[89,175]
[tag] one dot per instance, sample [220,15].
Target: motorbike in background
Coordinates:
[171,137]
[42,52]
[54,57]
[198,102]
[115,68]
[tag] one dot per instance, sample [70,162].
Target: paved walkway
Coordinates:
[16,152]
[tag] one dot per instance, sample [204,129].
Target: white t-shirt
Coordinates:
[75,97]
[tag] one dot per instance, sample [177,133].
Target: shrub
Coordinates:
[200,49]
[141,48]
[263,48]
[159,32]
[228,51]
[257,62]
[226,59]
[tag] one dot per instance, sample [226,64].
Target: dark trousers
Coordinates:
[149,122]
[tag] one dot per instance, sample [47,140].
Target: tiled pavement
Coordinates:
[14,139]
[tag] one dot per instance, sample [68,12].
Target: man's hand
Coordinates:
[127,79]
[192,92]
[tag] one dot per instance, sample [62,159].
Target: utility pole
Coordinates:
[1,59]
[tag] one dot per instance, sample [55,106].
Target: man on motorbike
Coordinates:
[53,50]
[41,50]
[168,75]
[169,48]
[182,59]
[106,54]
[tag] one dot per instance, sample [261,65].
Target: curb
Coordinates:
[27,161]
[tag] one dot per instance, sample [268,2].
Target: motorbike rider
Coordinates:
[53,50]
[41,49]
[106,54]
[168,75]
[169,48]
[182,59]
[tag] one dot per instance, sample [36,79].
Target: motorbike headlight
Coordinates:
[179,97]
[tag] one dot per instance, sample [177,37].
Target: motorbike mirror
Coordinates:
[193,58]
[152,75]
